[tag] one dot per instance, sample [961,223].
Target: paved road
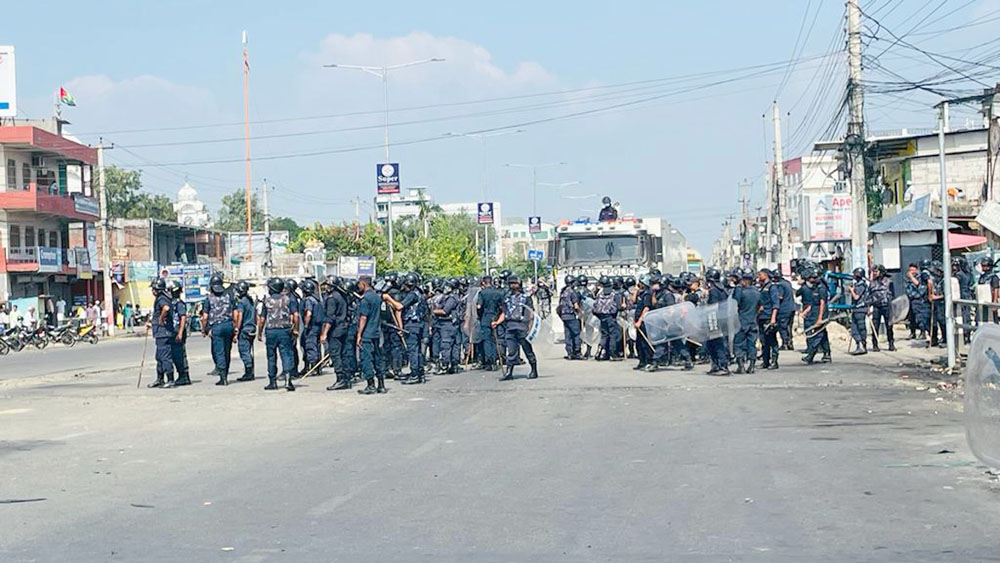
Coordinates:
[592,462]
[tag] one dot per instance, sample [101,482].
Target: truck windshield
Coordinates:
[616,250]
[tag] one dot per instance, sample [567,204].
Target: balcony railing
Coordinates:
[36,259]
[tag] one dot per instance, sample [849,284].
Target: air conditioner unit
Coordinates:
[37,161]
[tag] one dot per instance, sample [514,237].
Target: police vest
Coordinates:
[515,306]
[220,308]
[606,303]
[566,303]
[279,311]
[415,312]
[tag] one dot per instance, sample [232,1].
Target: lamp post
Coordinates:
[383,73]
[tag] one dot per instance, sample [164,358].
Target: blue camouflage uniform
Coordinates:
[248,330]
[219,308]
[747,303]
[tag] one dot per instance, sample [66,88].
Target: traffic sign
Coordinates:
[485,214]
[536,255]
[534,224]
[387,177]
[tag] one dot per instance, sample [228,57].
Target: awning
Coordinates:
[958,240]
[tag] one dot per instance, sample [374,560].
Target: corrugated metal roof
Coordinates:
[908,221]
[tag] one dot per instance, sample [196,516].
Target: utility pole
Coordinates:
[855,141]
[744,217]
[102,196]
[781,256]
[949,310]
[246,139]
[357,217]
[267,229]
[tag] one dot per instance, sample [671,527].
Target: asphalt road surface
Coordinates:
[591,462]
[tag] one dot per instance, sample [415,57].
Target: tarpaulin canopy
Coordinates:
[958,240]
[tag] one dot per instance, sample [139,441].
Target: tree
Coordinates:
[126,200]
[233,216]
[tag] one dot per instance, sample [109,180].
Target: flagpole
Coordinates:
[246,137]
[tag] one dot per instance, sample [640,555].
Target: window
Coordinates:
[53,239]
[14,234]
[25,176]
[41,236]
[29,239]
[11,174]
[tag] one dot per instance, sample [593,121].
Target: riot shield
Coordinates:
[470,323]
[534,328]
[982,395]
[669,323]
[899,309]
[590,324]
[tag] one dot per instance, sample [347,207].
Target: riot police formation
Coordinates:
[217,323]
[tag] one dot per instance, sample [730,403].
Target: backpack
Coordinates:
[606,304]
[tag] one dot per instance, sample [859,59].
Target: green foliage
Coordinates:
[233,216]
[517,262]
[449,250]
[126,200]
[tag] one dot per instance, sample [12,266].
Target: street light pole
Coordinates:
[383,73]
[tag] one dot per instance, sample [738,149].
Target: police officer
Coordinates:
[390,322]
[961,272]
[935,293]
[414,315]
[217,322]
[335,332]
[312,324]
[916,291]
[861,299]
[882,292]
[786,308]
[349,357]
[569,313]
[488,304]
[444,315]
[988,287]
[679,350]
[516,315]
[717,348]
[367,340]
[643,304]
[178,344]
[606,308]
[544,295]
[292,289]
[162,323]
[277,317]
[608,212]
[767,319]
[245,317]
[660,296]
[813,311]
[748,305]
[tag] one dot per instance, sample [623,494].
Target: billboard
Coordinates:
[49,259]
[485,213]
[8,82]
[534,224]
[387,178]
[830,217]
[353,267]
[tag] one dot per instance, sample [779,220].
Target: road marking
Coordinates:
[14,411]
[334,503]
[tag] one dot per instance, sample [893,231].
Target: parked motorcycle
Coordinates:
[63,333]
[12,338]
[87,333]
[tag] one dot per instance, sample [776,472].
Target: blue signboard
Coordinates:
[49,259]
[536,255]
[387,177]
[485,213]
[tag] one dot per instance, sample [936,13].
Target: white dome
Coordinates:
[187,193]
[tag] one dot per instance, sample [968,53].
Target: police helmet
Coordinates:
[629,281]
[411,280]
[454,283]
[215,284]
[655,271]
[308,286]
[275,285]
[391,276]
[351,286]
[582,280]
[654,279]
[606,200]
[936,266]
[925,264]
[713,275]
[291,285]
[570,280]
[746,274]
[776,273]
[504,274]
[335,282]
[810,273]
[513,278]
[159,286]
[604,281]
[644,280]
[617,281]
[175,288]
[858,273]
[382,285]
[242,288]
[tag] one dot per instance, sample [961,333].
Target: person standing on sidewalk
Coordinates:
[882,292]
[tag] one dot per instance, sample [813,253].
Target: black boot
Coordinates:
[752,366]
[739,367]
[272,384]
[182,380]
[860,349]
[533,374]
[157,383]
[341,383]
[247,376]
[414,379]
[808,358]
[381,385]
[288,384]
[508,373]
[370,389]
[223,379]
[892,346]
[826,358]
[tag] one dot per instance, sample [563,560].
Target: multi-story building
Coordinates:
[515,236]
[409,204]
[46,190]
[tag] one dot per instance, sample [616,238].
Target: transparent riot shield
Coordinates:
[669,323]
[470,323]
[899,309]
[534,328]
[982,395]
[589,322]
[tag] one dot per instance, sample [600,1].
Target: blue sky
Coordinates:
[147,66]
